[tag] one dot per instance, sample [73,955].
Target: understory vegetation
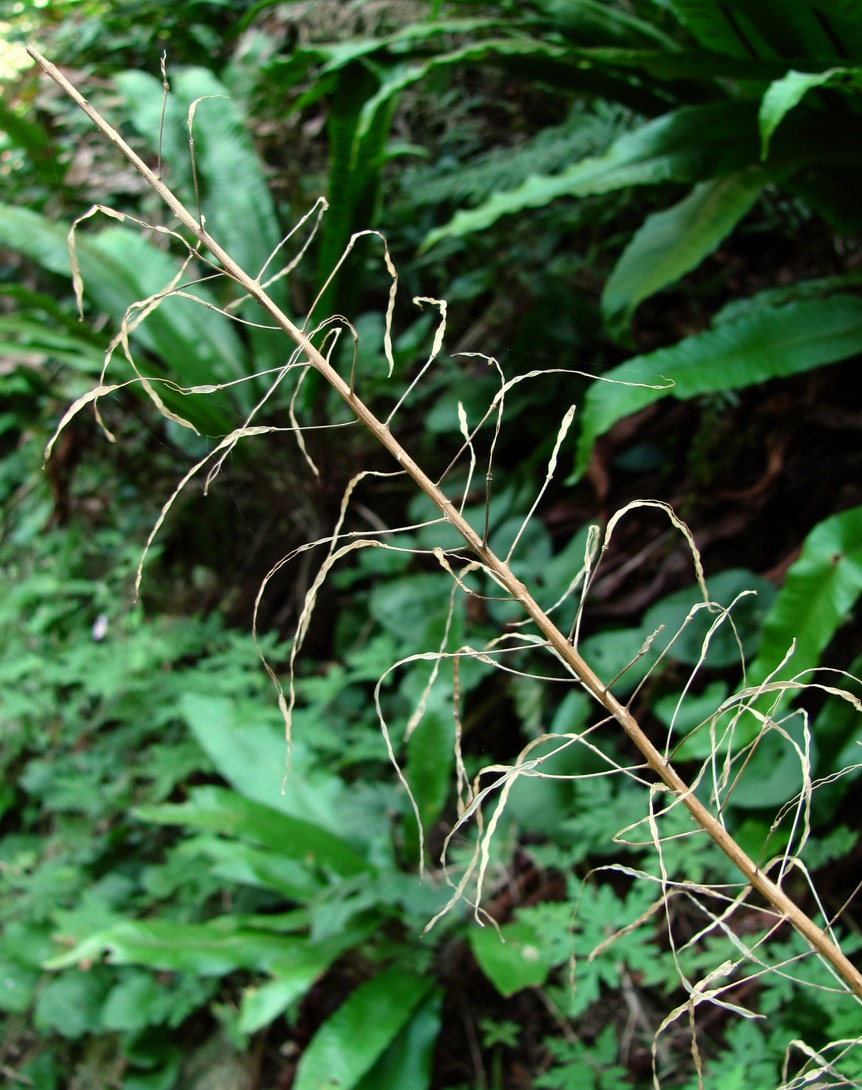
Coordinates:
[295,794]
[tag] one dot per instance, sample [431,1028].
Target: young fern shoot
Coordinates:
[668,780]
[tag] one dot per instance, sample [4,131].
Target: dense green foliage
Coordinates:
[581,181]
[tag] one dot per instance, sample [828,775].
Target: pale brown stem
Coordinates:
[773,893]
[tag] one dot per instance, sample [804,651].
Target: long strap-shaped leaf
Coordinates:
[501,572]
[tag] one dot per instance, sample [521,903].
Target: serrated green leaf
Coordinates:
[140,1000]
[779,341]
[784,94]
[356,1035]
[683,146]
[70,1005]
[671,243]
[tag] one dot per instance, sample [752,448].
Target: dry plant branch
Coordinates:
[499,570]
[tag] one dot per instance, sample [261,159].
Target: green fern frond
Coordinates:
[585,132]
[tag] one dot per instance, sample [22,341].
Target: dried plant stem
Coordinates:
[674,783]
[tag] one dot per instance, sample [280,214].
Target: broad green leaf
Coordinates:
[786,293]
[218,809]
[713,26]
[838,726]
[598,22]
[293,975]
[235,197]
[407,1063]
[818,594]
[232,185]
[429,760]
[783,94]
[30,136]
[671,243]
[248,865]
[405,75]
[31,233]
[823,30]
[512,958]
[430,757]
[689,715]
[683,64]
[683,146]
[263,1004]
[774,343]
[772,773]
[415,609]
[688,644]
[119,267]
[197,344]
[211,949]
[339,55]
[252,755]
[356,1035]
[25,338]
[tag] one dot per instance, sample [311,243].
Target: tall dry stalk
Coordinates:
[679,790]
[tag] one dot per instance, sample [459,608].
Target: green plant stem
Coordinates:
[674,783]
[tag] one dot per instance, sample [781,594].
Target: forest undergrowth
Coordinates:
[732,930]
[460,874]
